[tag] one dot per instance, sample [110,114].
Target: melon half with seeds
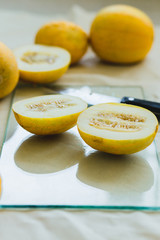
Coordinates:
[42,64]
[48,114]
[117,128]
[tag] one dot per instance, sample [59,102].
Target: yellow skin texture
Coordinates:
[47,126]
[66,35]
[117,146]
[43,77]
[121,34]
[9,73]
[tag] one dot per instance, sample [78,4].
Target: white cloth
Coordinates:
[79,225]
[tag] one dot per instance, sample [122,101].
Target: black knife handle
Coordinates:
[152,106]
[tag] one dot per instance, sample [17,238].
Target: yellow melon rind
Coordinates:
[116,146]
[43,77]
[9,73]
[47,126]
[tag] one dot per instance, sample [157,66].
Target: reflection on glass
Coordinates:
[116,173]
[49,154]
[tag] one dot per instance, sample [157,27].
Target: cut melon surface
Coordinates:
[42,64]
[48,114]
[117,128]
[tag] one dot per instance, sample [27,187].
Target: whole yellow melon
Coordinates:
[9,73]
[66,35]
[121,34]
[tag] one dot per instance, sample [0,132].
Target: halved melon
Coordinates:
[42,64]
[117,128]
[49,114]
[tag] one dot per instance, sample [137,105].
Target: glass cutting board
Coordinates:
[61,171]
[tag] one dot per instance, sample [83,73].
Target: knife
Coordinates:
[93,98]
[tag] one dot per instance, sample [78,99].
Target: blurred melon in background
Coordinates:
[66,35]
[121,34]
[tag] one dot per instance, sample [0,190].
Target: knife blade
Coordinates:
[93,98]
